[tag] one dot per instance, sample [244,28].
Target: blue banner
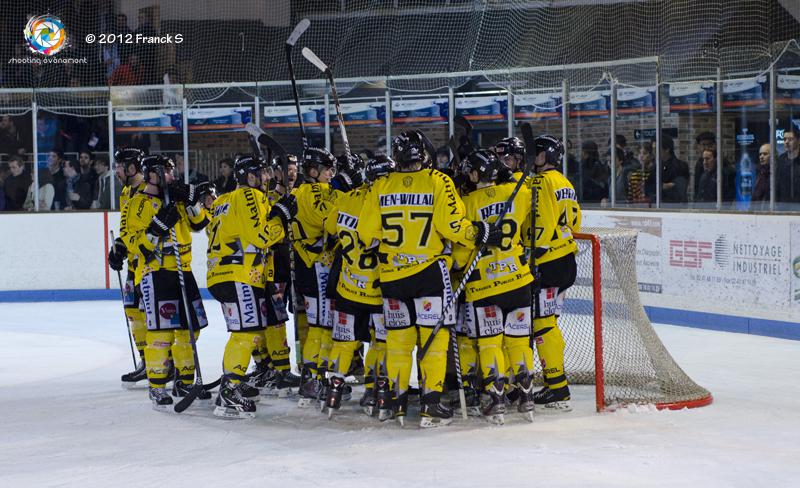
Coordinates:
[285,116]
[147,121]
[219,119]
[482,108]
[420,111]
[538,106]
[691,97]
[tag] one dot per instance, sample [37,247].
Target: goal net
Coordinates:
[610,342]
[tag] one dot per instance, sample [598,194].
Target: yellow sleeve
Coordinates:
[449,217]
[369,222]
[139,214]
[331,219]
[251,213]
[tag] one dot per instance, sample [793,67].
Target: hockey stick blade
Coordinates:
[189,398]
[313,59]
[213,384]
[298,31]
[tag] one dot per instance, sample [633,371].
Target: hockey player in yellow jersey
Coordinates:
[243,228]
[356,294]
[558,217]
[128,160]
[498,292]
[410,215]
[272,374]
[149,224]
[313,258]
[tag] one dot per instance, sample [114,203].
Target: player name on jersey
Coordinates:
[566,194]
[347,221]
[407,199]
[495,209]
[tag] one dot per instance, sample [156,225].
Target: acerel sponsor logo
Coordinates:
[689,254]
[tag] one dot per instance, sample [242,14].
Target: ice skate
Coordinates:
[262,376]
[333,398]
[368,401]
[282,384]
[231,404]
[129,380]
[383,399]
[433,413]
[494,409]
[250,392]
[473,402]
[309,391]
[547,400]
[160,398]
[526,401]
[400,408]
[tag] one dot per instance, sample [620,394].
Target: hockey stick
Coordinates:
[313,59]
[122,294]
[506,207]
[298,31]
[198,377]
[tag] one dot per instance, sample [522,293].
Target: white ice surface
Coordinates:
[66,422]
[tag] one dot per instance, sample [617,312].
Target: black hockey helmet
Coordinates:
[129,156]
[380,165]
[411,147]
[247,164]
[485,162]
[510,146]
[156,163]
[208,189]
[552,147]
[316,157]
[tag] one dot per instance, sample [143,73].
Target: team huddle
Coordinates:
[469,266]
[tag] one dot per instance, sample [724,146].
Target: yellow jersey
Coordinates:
[358,279]
[241,234]
[413,215]
[314,203]
[500,268]
[127,193]
[558,215]
[157,253]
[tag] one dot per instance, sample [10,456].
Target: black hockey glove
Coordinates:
[181,192]
[285,209]
[165,219]
[347,180]
[487,234]
[505,175]
[117,255]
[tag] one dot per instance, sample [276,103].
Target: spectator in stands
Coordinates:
[788,167]
[761,188]
[4,173]
[674,173]
[147,52]
[226,182]
[595,173]
[79,188]
[102,188]
[114,54]
[86,162]
[129,73]
[195,176]
[574,171]
[55,164]
[443,158]
[46,193]
[707,187]
[642,182]
[704,140]
[625,164]
[10,142]
[16,184]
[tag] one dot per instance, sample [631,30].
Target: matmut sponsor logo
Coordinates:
[689,254]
